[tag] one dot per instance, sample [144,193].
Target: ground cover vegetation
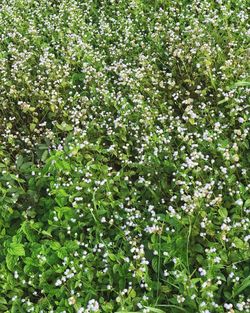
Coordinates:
[125,165]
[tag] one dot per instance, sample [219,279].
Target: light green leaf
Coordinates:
[247,203]
[64,127]
[19,161]
[239,243]
[245,284]
[55,245]
[154,310]
[223,212]
[16,249]
[155,264]
[3,300]
[11,261]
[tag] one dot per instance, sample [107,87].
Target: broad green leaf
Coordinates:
[32,126]
[3,300]
[223,212]
[239,243]
[16,249]
[112,257]
[44,155]
[247,203]
[11,261]
[132,293]
[64,127]
[19,161]
[55,245]
[29,232]
[155,264]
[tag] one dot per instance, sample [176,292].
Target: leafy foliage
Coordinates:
[124,171]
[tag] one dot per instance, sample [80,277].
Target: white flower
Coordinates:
[202,271]
[239,202]
[217,259]
[228,306]
[166,273]
[72,300]
[93,305]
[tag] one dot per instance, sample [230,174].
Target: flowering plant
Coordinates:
[124,171]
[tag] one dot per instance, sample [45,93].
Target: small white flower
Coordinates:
[93,305]
[72,300]
[166,273]
[239,202]
[202,271]
[228,306]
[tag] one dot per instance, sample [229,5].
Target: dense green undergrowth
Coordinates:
[124,170]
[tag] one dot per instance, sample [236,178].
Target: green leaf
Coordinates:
[3,300]
[30,235]
[46,233]
[112,257]
[116,268]
[19,161]
[165,289]
[132,293]
[90,275]
[242,83]
[26,166]
[126,312]
[62,253]
[32,126]
[64,126]
[64,211]
[3,308]
[223,212]
[154,310]
[239,243]
[155,264]
[11,261]
[55,245]
[172,306]
[16,249]
[61,197]
[223,101]
[44,155]
[245,284]
[60,201]
[191,121]
[77,77]
[247,203]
